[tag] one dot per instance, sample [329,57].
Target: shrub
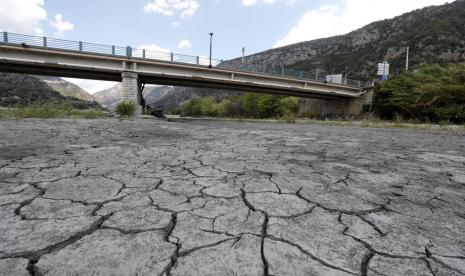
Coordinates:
[248,105]
[289,105]
[288,118]
[49,110]
[432,93]
[125,109]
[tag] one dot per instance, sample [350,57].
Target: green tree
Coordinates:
[269,106]
[289,105]
[208,106]
[250,105]
[432,93]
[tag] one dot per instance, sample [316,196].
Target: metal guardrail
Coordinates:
[129,52]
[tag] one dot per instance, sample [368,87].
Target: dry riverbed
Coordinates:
[149,197]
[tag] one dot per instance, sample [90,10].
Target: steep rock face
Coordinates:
[110,97]
[154,93]
[67,89]
[434,34]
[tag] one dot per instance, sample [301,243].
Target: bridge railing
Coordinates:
[112,50]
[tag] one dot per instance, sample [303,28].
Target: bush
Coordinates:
[49,110]
[125,109]
[289,105]
[248,105]
[288,118]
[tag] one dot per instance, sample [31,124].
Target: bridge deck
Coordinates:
[41,58]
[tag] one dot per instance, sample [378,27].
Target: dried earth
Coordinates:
[148,197]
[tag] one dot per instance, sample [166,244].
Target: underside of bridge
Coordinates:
[133,72]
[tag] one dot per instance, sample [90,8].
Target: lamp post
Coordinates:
[211,42]
[406,58]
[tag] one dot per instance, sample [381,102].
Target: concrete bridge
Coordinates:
[135,67]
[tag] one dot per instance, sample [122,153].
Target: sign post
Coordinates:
[383,70]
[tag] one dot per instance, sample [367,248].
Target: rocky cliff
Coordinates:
[435,34]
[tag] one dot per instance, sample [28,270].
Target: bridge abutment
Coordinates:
[356,106]
[349,107]
[131,90]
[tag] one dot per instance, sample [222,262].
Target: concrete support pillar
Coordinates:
[131,90]
[337,107]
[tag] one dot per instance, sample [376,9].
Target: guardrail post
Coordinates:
[113,50]
[198,60]
[282,69]
[301,74]
[80,46]
[143,53]
[45,42]
[316,75]
[128,51]
[172,57]
[359,83]
[5,37]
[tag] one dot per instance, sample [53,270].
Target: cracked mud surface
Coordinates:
[147,197]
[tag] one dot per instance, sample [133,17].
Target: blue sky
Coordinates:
[182,26]
[125,22]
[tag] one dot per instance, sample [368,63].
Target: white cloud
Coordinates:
[175,24]
[186,8]
[332,20]
[253,2]
[185,44]
[92,86]
[61,26]
[22,16]
[266,2]
[154,48]
[154,51]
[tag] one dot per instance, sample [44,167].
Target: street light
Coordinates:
[211,41]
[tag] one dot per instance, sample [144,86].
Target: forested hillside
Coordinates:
[20,89]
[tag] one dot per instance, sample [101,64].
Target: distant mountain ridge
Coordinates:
[110,97]
[67,88]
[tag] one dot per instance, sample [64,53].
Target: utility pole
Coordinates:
[406,58]
[243,54]
[211,42]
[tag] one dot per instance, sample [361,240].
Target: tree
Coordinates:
[432,93]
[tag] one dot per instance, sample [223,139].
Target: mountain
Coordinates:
[435,34]
[66,88]
[25,90]
[179,95]
[154,93]
[109,98]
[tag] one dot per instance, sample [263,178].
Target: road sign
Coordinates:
[383,69]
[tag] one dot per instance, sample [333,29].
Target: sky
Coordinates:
[183,26]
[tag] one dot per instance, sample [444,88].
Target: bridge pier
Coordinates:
[131,90]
